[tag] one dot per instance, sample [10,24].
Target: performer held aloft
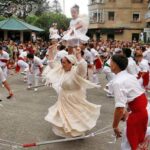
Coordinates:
[128,92]
[72,115]
[78,28]
[54,35]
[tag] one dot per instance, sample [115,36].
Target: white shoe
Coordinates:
[110,95]
[29,87]
[35,90]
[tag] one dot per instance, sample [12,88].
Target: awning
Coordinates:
[17,25]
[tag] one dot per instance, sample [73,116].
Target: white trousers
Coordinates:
[22,64]
[33,78]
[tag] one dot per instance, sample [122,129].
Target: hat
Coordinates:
[72,59]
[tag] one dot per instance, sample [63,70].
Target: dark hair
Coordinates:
[76,7]
[30,56]
[91,45]
[1,48]
[127,52]
[121,61]
[82,53]
[62,47]
[138,55]
[143,49]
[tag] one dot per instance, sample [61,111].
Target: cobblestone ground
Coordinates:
[22,118]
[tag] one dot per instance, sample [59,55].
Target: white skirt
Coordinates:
[72,115]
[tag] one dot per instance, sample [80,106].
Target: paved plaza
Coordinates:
[22,118]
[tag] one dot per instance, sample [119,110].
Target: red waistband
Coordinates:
[139,103]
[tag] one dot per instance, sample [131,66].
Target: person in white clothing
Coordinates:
[5,83]
[22,64]
[35,70]
[96,57]
[143,65]
[132,67]
[76,33]
[4,60]
[54,35]
[129,97]
[90,62]
[72,115]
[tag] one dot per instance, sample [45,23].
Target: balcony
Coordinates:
[137,1]
[147,15]
[92,21]
[93,2]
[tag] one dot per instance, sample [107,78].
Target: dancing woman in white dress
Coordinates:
[72,115]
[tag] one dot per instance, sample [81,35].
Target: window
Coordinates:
[112,0]
[111,16]
[136,17]
[93,1]
[97,16]
[137,1]
[96,1]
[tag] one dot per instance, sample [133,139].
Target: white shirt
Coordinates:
[94,53]
[88,57]
[36,63]
[132,67]
[144,66]
[4,56]
[125,88]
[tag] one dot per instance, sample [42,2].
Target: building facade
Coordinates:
[117,19]
[147,28]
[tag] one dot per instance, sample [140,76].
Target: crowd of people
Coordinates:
[71,65]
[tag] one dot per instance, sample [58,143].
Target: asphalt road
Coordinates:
[22,118]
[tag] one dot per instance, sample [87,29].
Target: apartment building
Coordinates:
[117,19]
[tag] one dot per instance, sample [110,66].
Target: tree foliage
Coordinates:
[45,20]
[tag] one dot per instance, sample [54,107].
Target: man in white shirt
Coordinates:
[143,65]
[90,62]
[35,70]
[132,67]
[95,56]
[128,91]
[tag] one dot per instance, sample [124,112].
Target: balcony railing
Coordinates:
[96,2]
[137,1]
[147,15]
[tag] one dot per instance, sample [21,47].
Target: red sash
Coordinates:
[145,78]
[137,121]
[4,60]
[98,64]
[17,66]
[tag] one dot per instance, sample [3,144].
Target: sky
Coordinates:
[69,3]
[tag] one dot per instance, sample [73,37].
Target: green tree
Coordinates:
[47,19]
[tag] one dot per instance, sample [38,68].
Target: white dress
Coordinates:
[72,115]
[54,34]
[79,35]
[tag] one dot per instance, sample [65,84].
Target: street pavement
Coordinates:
[22,118]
